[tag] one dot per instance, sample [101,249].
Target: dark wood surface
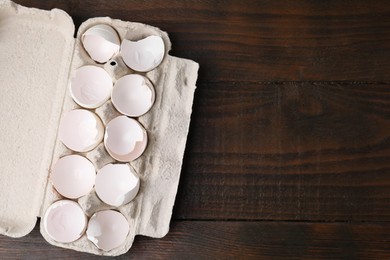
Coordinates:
[233,240]
[288,154]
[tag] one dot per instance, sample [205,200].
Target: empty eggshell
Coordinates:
[64,221]
[143,55]
[117,184]
[81,130]
[107,229]
[125,139]
[101,42]
[90,86]
[133,95]
[73,176]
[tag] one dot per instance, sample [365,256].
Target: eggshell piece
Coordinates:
[107,229]
[101,42]
[73,176]
[117,184]
[90,86]
[125,139]
[133,95]
[143,55]
[64,221]
[81,130]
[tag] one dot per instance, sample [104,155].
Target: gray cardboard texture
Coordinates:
[36,49]
[32,105]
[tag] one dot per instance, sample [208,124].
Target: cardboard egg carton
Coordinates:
[38,55]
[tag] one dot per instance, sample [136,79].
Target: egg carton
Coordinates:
[39,54]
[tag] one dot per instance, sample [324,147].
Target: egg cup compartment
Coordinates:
[57,55]
[99,156]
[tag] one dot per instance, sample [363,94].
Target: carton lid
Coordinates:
[36,49]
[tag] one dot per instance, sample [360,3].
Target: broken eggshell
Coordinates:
[73,176]
[81,130]
[125,139]
[117,184]
[143,55]
[107,229]
[90,86]
[101,42]
[64,221]
[133,95]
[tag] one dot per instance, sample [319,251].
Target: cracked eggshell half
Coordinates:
[73,176]
[143,55]
[90,86]
[133,95]
[107,229]
[125,139]
[117,184]
[101,42]
[81,130]
[64,221]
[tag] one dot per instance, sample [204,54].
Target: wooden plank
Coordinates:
[262,40]
[288,151]
[233,240]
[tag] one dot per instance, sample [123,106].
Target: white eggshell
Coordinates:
[143,55]
[107,229]
[133,95]
[101,42]
[125,139]
[64,221]
[90,86]
[116,184]
[81,130]
[73,176]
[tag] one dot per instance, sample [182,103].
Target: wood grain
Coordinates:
[233,240]
[262,40]
[288,151]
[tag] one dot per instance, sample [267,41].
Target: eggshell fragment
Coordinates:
[143,55]
[90,86]
[107,229]
[133,95]
[73,176]
[117,184]
[125,139]
[101,42]
[64,221]
[81,130]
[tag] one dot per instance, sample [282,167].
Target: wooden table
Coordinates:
[288,154]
